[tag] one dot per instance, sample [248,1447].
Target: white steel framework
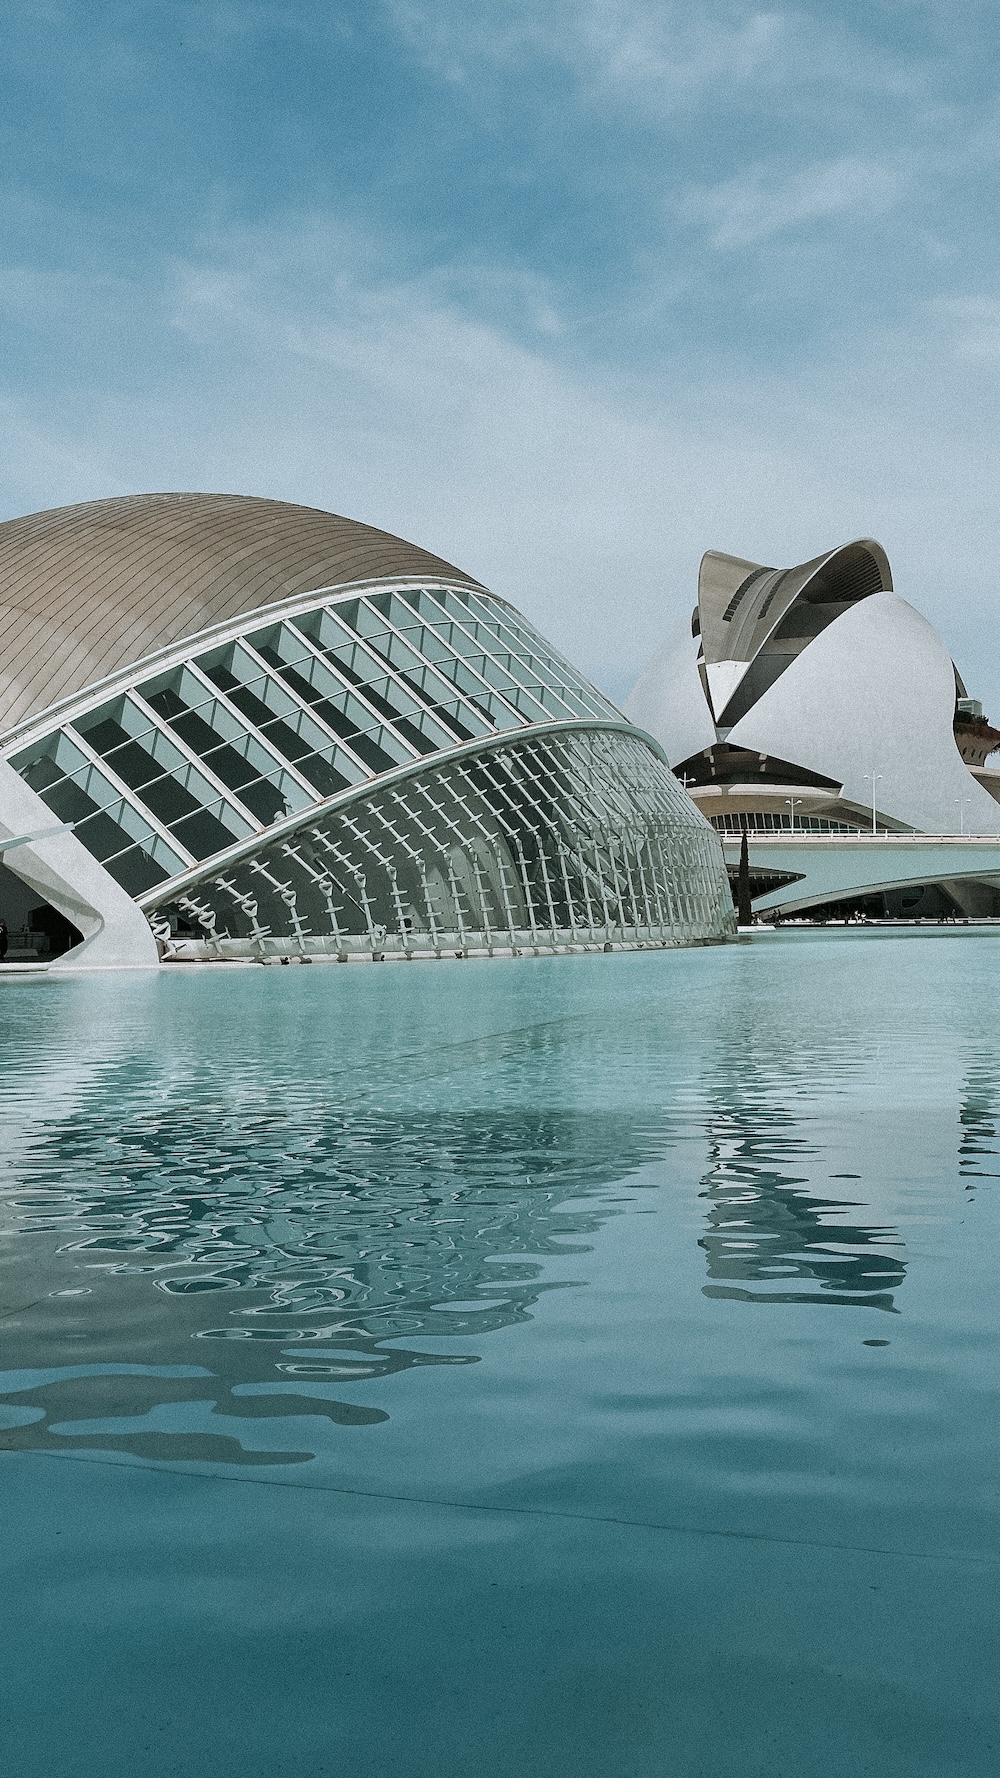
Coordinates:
[374,770]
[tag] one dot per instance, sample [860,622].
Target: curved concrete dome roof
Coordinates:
[86,590]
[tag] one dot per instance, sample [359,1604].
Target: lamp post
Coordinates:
[962,801]
[793,803]
[876,778]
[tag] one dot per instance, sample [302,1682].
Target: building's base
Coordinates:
[391,948]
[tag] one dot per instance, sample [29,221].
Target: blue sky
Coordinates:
[568,292]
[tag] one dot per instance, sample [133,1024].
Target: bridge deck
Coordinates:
[829,867]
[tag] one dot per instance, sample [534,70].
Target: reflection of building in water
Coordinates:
[766,1229]
[283,1253]
[978,1116]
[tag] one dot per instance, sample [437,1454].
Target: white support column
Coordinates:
[62,872]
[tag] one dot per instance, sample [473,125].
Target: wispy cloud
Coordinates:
[299,360]
[568,293]
[629,45]
[973,323]
[755,205]
[660,55]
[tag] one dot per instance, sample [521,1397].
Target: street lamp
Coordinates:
[876,778]
[793,802]
[962,801]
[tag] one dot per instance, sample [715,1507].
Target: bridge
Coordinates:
[812,868]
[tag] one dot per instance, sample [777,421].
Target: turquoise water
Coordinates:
[551,1366]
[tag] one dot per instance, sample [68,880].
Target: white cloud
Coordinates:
[295,362]
[628,47]
[757,204]
[657,56]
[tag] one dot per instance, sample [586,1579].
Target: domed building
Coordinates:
[237,728]
[815,700]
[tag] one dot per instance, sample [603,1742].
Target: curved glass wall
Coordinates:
[565,840]
[578,836]
[186,763]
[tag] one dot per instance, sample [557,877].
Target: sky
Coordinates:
[567,291]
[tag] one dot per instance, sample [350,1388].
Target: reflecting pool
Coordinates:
[532,1367]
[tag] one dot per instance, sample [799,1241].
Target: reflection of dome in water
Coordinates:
[272,731]
[303,1250]
[272,1259]
[765,1229]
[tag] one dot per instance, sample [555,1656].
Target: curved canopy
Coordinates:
[86,590]
[742,602]
[753,620]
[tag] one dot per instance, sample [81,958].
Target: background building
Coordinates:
[814,699]
[234,727]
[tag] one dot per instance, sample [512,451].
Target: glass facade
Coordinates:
[177,782]
[566,839]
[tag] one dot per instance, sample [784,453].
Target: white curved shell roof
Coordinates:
[86,590]
[876,692]
[825,667]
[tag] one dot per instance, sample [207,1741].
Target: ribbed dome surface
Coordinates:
[86,590]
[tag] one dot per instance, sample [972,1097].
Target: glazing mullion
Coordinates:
[502,691]
[343,688]
[422,660]
[500,677]
[214,694]
[280,710]
[225,745]
[491,654]
[269,676]
[522,636]
[420,635]
[66,773]
[383,668]
[168,785]
[128,796]
[422,663]
[491,692]
[544,661]
[226,794]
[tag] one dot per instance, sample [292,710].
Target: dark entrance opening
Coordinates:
[49,924]
[34,928]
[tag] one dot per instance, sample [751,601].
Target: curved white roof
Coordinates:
[825,667]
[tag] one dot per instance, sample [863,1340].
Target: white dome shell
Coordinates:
[876,691]
[823,668]
[667,699]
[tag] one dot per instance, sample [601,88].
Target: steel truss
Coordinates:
[577,839]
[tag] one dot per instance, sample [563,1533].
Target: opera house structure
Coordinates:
[815,701]
[236,728]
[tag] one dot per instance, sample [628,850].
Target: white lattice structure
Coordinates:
[272,733]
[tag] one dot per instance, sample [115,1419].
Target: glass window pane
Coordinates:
[266,704]
[427,686]
[284,649]
[235,755]
[164,780]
